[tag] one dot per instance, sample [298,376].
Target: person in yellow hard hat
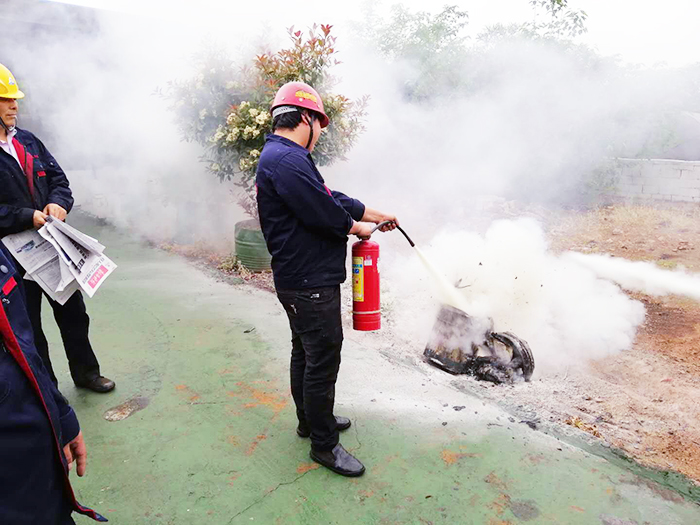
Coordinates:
[33,187]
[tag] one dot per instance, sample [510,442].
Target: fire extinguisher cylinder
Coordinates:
[366,309]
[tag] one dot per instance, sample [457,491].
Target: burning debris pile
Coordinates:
[461,344]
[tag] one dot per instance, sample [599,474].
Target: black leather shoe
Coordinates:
[340,461]
[100,384]
[343,423]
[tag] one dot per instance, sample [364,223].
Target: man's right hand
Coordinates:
[362,229]
[39,219]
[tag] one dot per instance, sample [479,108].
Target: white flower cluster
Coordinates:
[218,135]
[249,132]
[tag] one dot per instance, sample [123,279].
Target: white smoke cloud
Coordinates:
[566,313]
[639,276]
[536,126]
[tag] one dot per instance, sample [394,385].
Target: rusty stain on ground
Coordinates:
[271,400]
[232,440]
[364,494]
[536,459]
[193,396]
[128,407]
[493,479]
[255,444]
[500,504]
[303,468]
[450,458]
[577,509]
[232,479]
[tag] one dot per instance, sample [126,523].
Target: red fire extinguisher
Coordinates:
[366,310]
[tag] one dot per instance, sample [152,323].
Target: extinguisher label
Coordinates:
[358,280]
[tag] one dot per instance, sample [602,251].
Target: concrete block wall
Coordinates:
[658,180]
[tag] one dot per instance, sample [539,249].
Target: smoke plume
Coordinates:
[537,120]
[639,276]
[565,312]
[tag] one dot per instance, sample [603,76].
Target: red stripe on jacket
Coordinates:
[15,350]
[26,160]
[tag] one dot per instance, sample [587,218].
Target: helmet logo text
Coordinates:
[303,94]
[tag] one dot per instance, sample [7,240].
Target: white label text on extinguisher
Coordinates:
[358,280]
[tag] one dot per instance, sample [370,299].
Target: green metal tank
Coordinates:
[251,249]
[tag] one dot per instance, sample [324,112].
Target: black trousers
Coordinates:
[73,322]
[317,337]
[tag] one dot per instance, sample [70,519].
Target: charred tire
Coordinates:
[522,355]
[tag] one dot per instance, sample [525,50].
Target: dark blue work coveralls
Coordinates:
[31,184]
[36,421]
[306,228]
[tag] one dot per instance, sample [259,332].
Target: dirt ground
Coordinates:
[643,401]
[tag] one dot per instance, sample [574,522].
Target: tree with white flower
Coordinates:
[226,109]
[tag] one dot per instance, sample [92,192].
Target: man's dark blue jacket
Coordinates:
[38,182]
[305,224]
[36,421]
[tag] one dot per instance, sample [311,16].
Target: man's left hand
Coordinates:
[56,211]
[377,217]
[76,451]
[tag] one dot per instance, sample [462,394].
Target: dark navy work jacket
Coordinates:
[305,224]
[38,182]
[36,421]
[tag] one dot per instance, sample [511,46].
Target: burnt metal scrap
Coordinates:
[461,344]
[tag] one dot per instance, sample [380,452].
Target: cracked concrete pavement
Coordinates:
[214,441]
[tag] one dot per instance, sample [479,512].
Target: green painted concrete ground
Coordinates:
[214,442]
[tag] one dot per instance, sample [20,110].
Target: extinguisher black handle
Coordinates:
[380,225]
[385,223]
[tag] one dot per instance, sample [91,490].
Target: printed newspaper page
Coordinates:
[38,256]
[61,259]
[90,266]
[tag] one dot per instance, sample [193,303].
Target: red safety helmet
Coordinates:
[301,95]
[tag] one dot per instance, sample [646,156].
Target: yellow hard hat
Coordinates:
[8,84]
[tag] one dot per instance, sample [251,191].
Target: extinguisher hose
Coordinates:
[413,245]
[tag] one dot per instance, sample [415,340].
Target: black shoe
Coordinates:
[342,423]
[100,384]
[340,461]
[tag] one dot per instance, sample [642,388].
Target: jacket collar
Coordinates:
[283,140]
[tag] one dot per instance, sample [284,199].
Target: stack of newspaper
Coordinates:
[60,259]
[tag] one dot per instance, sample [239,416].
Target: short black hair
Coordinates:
[292,119]
[288,120]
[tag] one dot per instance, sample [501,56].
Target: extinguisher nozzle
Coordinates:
[413,245]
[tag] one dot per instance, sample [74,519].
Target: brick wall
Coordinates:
[658,180]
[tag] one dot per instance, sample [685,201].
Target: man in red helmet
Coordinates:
[306,227]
